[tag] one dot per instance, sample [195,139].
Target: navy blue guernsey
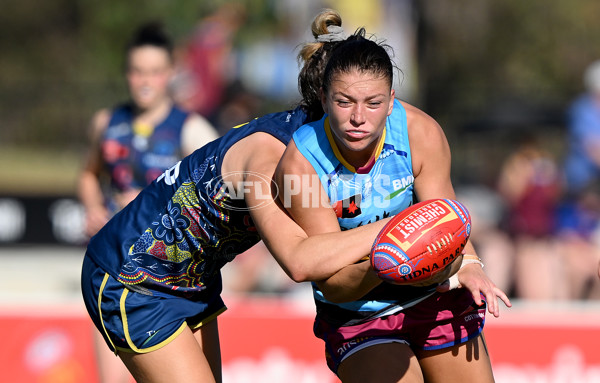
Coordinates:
[174,238]
[135,153]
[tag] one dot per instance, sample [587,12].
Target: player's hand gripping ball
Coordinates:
[421,242]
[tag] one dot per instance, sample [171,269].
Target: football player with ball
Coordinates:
[370,157]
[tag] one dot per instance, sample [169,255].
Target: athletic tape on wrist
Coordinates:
[453,282]
[469,261]
[470,258]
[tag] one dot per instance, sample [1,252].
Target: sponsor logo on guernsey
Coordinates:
[400,186]
[117,131]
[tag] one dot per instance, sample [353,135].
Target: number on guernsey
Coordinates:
[170,175]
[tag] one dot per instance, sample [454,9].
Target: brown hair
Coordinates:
[315,56]
[150,34]
[359,53]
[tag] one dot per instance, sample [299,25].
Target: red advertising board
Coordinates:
[549,343]
[271,340]
[46,347]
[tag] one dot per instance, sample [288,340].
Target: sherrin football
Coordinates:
[421,241]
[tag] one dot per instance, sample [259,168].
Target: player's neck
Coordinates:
[154,115]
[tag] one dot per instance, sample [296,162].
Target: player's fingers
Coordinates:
[504,297]
[492,302]
[476,293]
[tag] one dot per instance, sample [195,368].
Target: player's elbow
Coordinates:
[293,266]
[298,274]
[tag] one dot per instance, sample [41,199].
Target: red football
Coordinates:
[421,241]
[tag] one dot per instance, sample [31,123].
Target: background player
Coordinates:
[133,143]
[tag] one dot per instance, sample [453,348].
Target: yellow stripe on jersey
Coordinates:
[337,152]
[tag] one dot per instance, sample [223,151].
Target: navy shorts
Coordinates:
[135,322]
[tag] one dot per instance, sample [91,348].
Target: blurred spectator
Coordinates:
[492,243]
[135,142]
[255,271]
[239,106]
[579,229]
[277,78]
[530,183]
[582,163]
[579,242]
[206,60]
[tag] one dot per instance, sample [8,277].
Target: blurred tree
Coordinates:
[476,54]
[482,65]
[63,59]
[489,67]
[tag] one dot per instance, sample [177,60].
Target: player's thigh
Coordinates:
[465,363]
[381,363]
[207,337]
[181,360]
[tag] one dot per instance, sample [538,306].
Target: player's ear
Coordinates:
[323,100]
[391,105]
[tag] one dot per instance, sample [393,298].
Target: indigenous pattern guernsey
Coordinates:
[360,196]
[187,225]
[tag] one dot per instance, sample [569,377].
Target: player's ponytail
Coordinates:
[327,30]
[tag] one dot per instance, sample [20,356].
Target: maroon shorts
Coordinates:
[440,321]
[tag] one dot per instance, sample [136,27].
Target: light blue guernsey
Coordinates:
[361,196]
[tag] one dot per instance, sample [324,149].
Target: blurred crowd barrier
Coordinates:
[56,220]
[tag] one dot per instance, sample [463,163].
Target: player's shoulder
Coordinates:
[281,125]
[417,116]
[100,121]
[293,118]
[199,122]
[420,125]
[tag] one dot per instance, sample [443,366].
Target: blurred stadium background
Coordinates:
[487,71]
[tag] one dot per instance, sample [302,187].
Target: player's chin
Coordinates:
[145,100]
[144,103]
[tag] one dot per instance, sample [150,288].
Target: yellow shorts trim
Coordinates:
[128,337]
[106,276]
[208,319]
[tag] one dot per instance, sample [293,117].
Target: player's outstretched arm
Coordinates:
[350,283]
[306,253]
